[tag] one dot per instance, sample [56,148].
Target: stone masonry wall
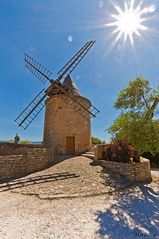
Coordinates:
[99,151]
[17,149]
[16,166]
[135,172]
[62,121]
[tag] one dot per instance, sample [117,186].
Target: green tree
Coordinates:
[96,140]
[136,124]
[25,141]
[11,141]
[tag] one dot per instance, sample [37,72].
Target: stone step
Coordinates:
[88,155]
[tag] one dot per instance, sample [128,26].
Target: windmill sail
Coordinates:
[75,103]
[37,69]
[75,60]
[32,110]
[85,112]
[56,87]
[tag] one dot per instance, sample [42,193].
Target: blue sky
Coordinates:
[44,29]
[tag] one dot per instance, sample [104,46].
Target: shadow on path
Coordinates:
[133,216]
[23,182]
[113,179]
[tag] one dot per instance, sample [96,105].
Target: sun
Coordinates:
[130,21]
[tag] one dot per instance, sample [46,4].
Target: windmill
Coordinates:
[63,86]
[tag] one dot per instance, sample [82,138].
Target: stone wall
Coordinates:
[134,172]
[61,121]
[154,159]
[17,149]
[99,151]
[15,166]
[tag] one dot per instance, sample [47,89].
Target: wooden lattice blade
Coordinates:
[37,69]
[32,110]
[74,102]
[74,61]
[79,107]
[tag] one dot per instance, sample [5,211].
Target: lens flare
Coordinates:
[130,21]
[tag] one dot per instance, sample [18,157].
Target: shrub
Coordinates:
[25,141]
[121,151]
[96,140]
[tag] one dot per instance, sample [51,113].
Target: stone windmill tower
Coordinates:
[67,126]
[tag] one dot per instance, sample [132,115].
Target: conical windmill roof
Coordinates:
[69,83]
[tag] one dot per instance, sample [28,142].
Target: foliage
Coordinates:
[25,141]
[142,133]
[121,151]
[11,141]
[132,125]
[96,140]
[137,96]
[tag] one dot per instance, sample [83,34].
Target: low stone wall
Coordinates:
[134,172]
[17,149]
[32,160]
[99,151]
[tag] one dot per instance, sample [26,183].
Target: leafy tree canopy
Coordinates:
[96,140]
[137,96]
[25,141]
[137,101]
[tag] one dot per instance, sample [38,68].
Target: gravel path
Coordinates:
[57,203]
[128,215]
[73,177]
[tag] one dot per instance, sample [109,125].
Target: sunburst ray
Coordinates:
[130,21]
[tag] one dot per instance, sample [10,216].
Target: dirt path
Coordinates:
[128,215]
[56,203]
[77,176]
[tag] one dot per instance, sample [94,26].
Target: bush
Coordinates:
[25,141]
[121,151]
[96,140]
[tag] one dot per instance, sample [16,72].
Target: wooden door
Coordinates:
[70,145]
